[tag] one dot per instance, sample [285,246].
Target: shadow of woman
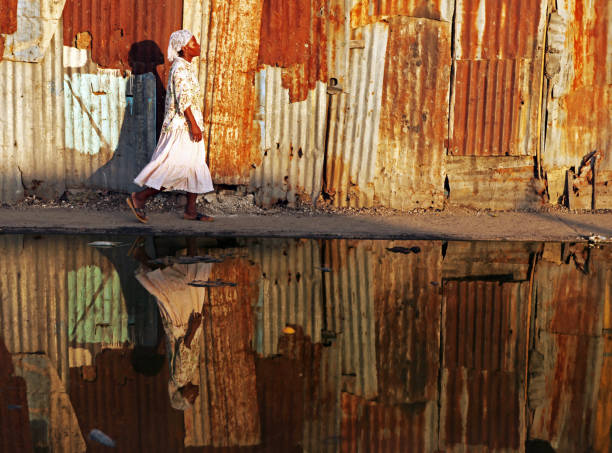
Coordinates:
[144,105]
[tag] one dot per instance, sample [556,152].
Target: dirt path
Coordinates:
[523,226]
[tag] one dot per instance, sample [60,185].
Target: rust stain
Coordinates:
[227,412]
[414,121]
[372,426]
[590,36]
[367,12]
[407,308]
[230,95]
[294,36]
[510,29]
[8,17]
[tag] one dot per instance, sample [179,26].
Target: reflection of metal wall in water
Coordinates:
[566,361]
[484,338]
[132,408]
[53,422]
[68,301]
[227,413]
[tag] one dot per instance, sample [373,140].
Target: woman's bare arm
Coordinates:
[196,132]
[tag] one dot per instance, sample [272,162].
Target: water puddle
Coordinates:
[199,344]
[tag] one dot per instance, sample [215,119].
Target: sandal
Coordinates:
[199,217]
[138,212]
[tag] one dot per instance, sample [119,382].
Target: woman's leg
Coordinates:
[190,207]
[140,198]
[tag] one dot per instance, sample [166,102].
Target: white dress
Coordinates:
[179,163]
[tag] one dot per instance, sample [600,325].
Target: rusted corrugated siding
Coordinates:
[485,335]
[131,408]
[294,37]
[369,11]
[413,117]
[408,304]
[292,142]
[32,126]
[8,21]
[226,414]
[496,82]
[501,183]
[125,35]
[372,426]
[229,34]
[580,71]
[378,154]
[354,119]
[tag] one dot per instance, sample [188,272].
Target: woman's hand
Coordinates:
[196,132]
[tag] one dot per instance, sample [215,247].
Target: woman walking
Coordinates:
[179,161]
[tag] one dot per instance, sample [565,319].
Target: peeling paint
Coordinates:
[37,21]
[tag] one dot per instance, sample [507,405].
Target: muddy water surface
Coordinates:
[195,344]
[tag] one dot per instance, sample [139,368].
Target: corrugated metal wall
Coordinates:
[32,125]
[229,35]
[292,142]
[361,87]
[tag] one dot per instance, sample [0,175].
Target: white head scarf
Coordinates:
[178,40]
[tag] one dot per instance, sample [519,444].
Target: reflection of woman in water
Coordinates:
[180,306]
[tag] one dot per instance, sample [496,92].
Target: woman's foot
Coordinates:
[198,217]
[137,208]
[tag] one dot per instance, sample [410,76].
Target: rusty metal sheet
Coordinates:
[140,402]
[32,125]
[414,115]
[408,302]
[504,29]
[292,142]
[510,260]
[501,183]
[226,414]
[485,325]
[566,358]
[366,12]
[373,426]
[293,37]
[37,22]
[354,119]
[481,411]
[229,34]
[379,154]
[51,412]
[497,77]
[495,105]
[564,388]
[603,418]
[124,35]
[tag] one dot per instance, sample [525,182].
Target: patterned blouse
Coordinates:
[183,91]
